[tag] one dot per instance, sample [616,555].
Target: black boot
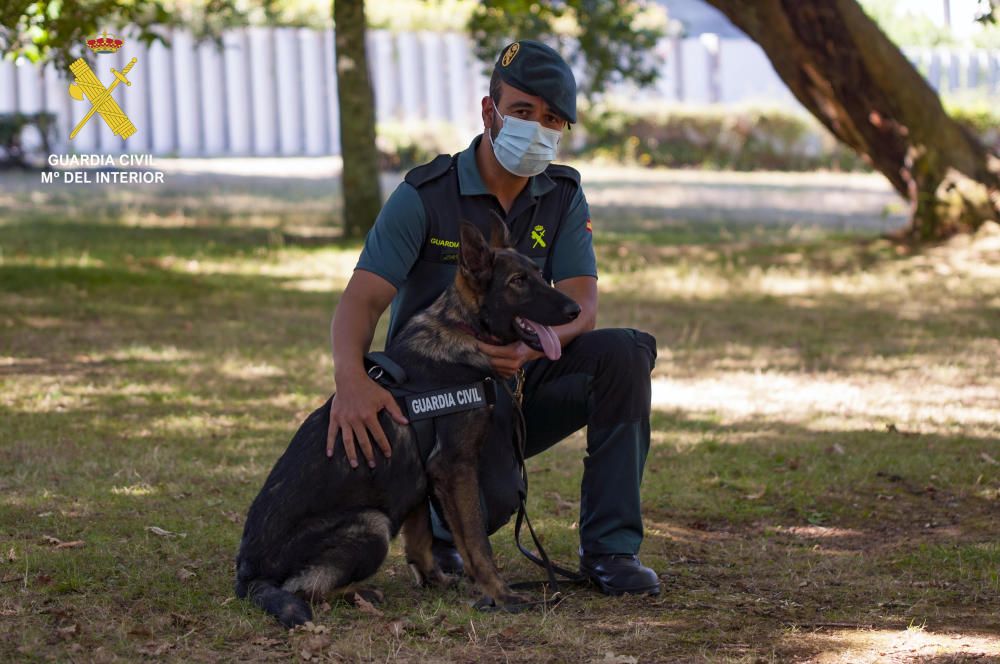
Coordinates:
[447,557]
[619,574]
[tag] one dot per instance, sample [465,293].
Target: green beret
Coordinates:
[537,69]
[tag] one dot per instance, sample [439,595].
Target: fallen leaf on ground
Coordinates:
[155,649]
[68,632]
[311,627]
[988,459]
[59,544]
[561,503]
[365,606]
[184,574]
[399,627]
[611,658]
[181,620]
[11,555]
[156,530]
[837,448]
[310,640]
[235,517]
[757,495]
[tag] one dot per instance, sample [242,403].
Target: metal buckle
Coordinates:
[377,376]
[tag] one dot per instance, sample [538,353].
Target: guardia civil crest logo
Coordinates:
[538,235]
[88,85]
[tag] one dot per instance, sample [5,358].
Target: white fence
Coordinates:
[273,91]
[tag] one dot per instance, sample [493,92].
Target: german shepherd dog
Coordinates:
[318,527]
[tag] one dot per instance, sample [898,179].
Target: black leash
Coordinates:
[542,559]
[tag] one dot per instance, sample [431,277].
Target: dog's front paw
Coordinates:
[439,579]
[364,598]
[433,577]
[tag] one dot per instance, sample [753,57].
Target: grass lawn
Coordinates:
[824,482]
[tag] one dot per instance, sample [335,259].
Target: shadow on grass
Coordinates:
[765,529]
[115,242]
[792,474]
[823,333]
[61,310]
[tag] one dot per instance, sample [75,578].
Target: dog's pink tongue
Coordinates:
[551,345]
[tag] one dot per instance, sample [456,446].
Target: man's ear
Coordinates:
[489,115]
[499,233]
[475,258]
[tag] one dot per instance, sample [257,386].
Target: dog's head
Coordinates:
[513,300]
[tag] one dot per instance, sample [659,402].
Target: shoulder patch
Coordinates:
[562,171]
[430,171]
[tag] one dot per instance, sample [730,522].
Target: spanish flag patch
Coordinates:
[590,228]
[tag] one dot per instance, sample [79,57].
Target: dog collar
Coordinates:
[481,336]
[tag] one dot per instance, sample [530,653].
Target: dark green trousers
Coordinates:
[601,382]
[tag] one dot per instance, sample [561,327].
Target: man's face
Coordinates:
[519,104]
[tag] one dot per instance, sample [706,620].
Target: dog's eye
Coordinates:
[516,280]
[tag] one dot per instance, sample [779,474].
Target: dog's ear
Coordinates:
[499,233]
[474,256]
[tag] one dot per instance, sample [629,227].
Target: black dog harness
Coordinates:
[424,401]
[423,405]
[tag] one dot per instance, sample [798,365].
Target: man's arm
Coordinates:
[583,290]
[353,326]
[354,411]
[391,248]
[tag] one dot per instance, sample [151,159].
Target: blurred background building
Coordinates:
[271,90]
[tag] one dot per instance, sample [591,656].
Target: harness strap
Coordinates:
[421,405]
[379,366]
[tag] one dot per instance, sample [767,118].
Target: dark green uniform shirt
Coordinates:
[414,242]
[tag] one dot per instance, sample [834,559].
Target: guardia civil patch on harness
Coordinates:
[450,400]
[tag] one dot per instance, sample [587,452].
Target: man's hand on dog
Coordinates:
[354,413]
[506,360]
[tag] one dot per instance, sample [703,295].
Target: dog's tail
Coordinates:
[289,609]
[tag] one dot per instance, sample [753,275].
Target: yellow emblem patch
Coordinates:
[512,50]
[538,235]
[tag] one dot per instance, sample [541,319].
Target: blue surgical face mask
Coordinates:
[524,147]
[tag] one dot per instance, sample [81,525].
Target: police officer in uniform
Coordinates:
[602,379]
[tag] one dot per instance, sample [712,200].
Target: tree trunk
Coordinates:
[362,196]
[846,72]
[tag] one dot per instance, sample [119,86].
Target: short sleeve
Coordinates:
[573,253]
[393,244]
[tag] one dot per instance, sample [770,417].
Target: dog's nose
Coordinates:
[572,310]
